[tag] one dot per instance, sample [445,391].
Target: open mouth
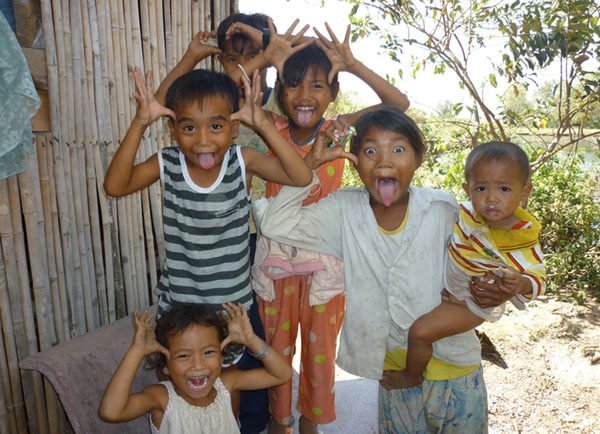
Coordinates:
[206,160]
[386,188]
[304,115]
[197,384]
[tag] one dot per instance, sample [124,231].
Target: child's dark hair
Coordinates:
[178,318]
[298,64]
[239,40]
[390,118]
[498,151]
[199,84]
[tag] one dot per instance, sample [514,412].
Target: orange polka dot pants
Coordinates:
[319,328]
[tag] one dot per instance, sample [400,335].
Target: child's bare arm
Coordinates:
[123,177]
[200,47]
[276,370]
[117,404]
[289,168]
[342,59]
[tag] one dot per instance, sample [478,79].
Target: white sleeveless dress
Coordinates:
[181,417]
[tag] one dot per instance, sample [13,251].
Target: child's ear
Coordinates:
[526,192]
[335,88]
[165,370]
[465,187]
[220,59]
[235,128]
[171,129]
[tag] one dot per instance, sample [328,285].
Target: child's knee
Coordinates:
[421,331]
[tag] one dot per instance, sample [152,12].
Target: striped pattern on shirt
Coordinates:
[476,248]
[206,234]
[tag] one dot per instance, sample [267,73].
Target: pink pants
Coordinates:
[320,326]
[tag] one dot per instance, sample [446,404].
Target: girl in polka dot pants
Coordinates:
[307,85]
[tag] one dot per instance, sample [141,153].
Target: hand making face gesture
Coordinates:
[321,153]
[203,45]
[144,340]
[252,112]
[149,109]
[238,325]
[339,53]
[283,46]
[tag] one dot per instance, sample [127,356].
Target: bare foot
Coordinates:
[308,427]
[276,428]
[399,380]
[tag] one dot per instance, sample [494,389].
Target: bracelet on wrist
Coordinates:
[262,354]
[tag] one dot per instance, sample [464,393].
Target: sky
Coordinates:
[426,92]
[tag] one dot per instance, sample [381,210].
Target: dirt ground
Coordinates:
[552,380]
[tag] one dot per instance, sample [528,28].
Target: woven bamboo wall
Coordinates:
[73,259]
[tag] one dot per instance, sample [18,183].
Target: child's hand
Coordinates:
[339,53]
[320,153]
[144,339]
[238,325]
[251,112]
[202,46]
[149,108]
[490,290]
[252,33]
[283,46]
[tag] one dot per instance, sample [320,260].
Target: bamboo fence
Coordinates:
[71,258]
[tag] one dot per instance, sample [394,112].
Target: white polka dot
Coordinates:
[312,337]
[287,351]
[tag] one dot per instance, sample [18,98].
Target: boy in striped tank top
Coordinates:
[206,183]
[494,248]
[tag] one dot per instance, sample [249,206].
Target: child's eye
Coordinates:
[231,59]
[216,127]
[183,356]
[370,151]
[209,352]
[188,128]
[480,188]
[504,189]
[398,149]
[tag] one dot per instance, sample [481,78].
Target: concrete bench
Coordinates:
[80,369]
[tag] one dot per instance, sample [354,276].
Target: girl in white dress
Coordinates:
[188,341]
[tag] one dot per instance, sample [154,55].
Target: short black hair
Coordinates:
[297,65]
[239,40]
[178,318]
[390,118]
[199,84]
[498,151]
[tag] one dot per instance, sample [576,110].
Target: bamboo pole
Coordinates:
[123,204]
[41,287]
[115,206]
[58,89]
[63,295]
[77,168]
[132,23]
[94,240]
[12,336]
[103,134]
[8,422]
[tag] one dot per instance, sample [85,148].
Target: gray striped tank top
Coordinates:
[206,234]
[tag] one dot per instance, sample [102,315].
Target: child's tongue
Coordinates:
[304,117]
[386,187]
[206,161]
